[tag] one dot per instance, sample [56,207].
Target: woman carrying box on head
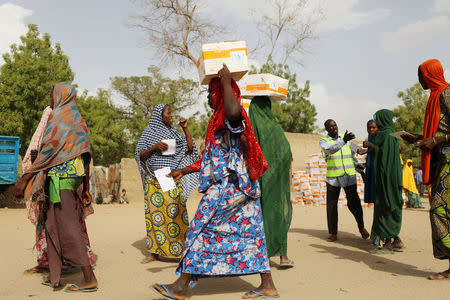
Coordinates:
[275,182]
[226,236]
[166,216]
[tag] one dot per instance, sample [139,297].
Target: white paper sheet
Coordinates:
[171,143]
[354,147]
[399,134]
[165,182]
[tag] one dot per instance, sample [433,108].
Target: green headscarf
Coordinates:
[388,177]
[275,182]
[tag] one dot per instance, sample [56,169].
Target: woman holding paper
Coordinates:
[159,150]
[387,217]
[226,237]
[275,183]
[435,145]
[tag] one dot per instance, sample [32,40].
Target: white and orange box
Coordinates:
[274,87]
[245,103]
[213,56]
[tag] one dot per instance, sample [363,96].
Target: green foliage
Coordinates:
[30,71]
[410,117]
[297,114]
[144,92]
[108,140]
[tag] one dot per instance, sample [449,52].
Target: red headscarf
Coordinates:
[254,157]
[433,75]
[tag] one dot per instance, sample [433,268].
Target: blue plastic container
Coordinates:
[9,159]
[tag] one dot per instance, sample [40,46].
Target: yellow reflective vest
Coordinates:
[340,162]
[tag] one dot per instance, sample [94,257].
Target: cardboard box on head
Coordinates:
[213,56]
[274,87]
[245,103]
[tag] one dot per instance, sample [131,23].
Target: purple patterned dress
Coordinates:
[226,236]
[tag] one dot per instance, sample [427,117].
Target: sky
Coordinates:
[364,52]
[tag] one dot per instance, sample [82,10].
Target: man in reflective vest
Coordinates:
[341,173]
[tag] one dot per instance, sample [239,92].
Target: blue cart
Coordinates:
[9,159]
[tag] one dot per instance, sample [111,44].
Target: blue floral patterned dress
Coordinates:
[226,236]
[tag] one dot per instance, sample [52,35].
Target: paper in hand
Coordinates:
[354,147]
[171,146]
[165,182]
[399,134]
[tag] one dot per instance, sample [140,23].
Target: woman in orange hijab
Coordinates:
[435,145]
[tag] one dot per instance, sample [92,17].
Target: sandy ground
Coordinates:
[344,269]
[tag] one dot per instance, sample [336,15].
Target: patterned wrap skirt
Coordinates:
[166,219]
[439,203]
[226,236]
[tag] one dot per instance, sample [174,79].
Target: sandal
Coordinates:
[287,264]
[169,294]
[438,276]
[76,288]
[259,295]
[47,282]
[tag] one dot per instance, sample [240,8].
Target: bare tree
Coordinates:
[175,28]
[288,26]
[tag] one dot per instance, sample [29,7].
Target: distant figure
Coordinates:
[341,173]
[410,186]
[369,182]
[419,181]
[387,215]
[99,198]
[123,197]
[435,143]
[33,206]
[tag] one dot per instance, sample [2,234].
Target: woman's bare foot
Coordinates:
[88,284]
[150,258]
[441,275]
[267,288]
[267,291]
[388,246]
[398,243]
[286,262]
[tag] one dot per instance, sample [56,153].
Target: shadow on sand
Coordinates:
[223,285]
[374,261]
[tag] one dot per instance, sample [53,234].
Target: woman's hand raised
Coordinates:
[183,123]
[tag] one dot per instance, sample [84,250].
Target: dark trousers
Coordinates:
[353,203]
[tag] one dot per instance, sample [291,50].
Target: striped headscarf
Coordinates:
[156,131]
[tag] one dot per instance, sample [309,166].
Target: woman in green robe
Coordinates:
[275,182]
[387,218]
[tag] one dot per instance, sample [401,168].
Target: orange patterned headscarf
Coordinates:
[65,136]
[433,75]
